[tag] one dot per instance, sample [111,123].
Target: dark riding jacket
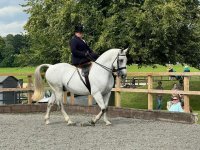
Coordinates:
[80,51]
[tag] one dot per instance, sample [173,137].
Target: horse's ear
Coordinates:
[125,51]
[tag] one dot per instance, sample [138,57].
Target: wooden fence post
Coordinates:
[186,97]
[29,91]
[71,98]
[65,97]
[150,96]
[117,93]
[90,99]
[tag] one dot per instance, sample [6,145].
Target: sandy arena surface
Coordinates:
[28,132]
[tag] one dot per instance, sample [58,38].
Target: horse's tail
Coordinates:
[39,88]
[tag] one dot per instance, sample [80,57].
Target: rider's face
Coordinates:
[79,34]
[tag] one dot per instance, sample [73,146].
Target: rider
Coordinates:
[81,52]
[82,55]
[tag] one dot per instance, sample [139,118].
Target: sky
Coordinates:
[12,17]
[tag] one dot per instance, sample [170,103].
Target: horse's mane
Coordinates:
[108,54]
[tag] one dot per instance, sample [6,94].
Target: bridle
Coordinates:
[119,68]
[110,69]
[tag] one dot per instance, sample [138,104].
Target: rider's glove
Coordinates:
[87,54]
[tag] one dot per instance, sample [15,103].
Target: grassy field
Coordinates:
[139,100]
[18,70]
[132,68]
[159,68]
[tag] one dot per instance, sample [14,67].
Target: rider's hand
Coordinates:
[87,53]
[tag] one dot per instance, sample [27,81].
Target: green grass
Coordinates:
[18,70]
[139,100]
[159,68]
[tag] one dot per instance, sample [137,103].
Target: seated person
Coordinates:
[175,105]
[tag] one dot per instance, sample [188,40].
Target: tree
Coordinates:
[156,32]
[11,47]
[2,47]
[49,29]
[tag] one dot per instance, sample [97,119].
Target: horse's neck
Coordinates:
[107,59]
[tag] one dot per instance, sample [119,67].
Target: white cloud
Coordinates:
[12,28]
[12,17]
[10,10]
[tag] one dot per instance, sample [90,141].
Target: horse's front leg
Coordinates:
[99,99]
[106,100]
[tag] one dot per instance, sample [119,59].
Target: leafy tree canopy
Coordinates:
[155,31]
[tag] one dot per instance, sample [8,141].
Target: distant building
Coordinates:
[8,97]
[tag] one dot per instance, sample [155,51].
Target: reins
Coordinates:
[106,68]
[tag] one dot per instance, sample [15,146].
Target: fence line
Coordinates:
[150,91]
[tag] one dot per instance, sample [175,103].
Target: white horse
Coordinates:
[65,75]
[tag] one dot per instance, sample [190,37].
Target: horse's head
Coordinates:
[120,63]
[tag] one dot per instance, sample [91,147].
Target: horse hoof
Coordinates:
[108,124]
[71,124]
[47,122]
[92,123]
[85,124]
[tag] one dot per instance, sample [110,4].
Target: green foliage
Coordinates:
[10,48]
[158,68]
[156,32]
[2,48]
[49,28]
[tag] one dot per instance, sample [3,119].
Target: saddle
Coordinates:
[85,69]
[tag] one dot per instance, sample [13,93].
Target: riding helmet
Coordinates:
[78,28]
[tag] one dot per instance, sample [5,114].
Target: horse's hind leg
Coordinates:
[50,104]
[59,98]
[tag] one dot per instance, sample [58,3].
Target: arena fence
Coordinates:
[118,89]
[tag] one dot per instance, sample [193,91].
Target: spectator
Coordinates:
[133,83]
[174,87]
[170,69]
[159,96]
[180,85]
[175,105]
[186,69]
